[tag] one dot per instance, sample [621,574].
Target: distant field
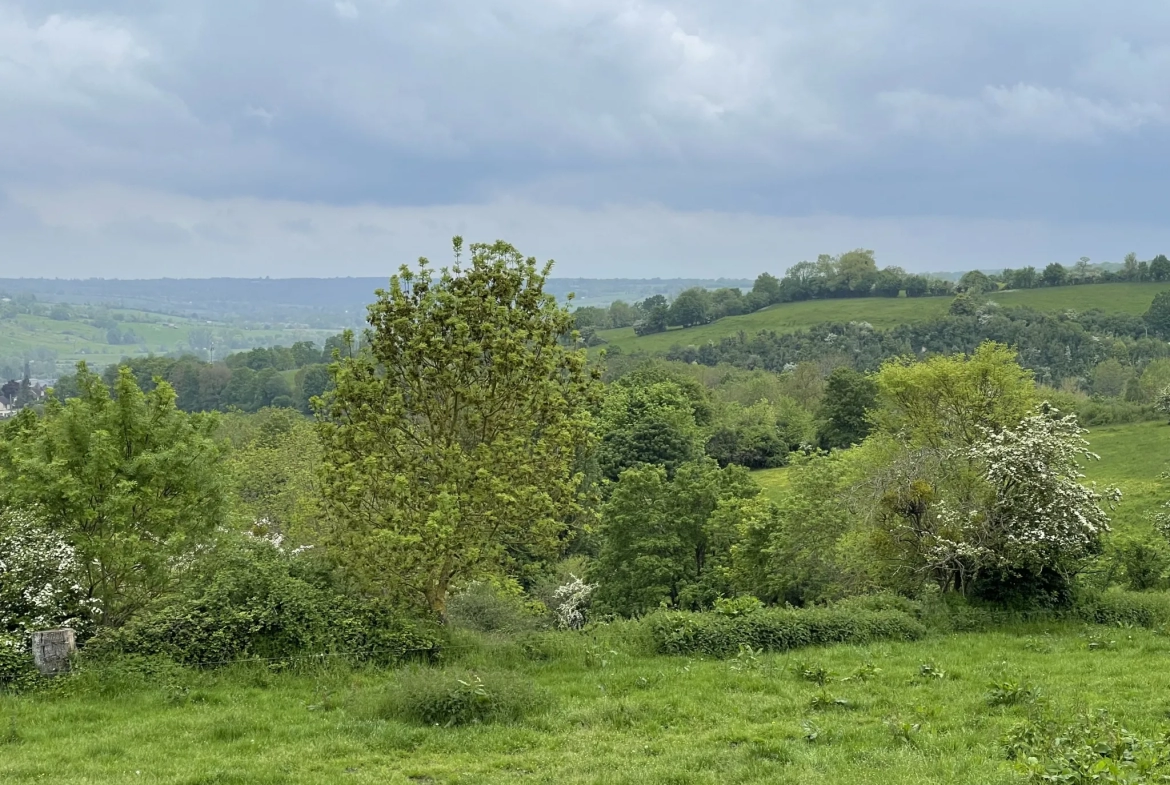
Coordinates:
[1133,457]
[885,312]
[76,340]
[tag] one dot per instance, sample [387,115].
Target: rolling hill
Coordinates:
[883,312]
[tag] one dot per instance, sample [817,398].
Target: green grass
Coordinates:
[884,312]
[1133,458]
[614,714]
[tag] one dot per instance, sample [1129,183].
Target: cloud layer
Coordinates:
[349,135]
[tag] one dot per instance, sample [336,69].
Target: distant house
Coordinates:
[7,409]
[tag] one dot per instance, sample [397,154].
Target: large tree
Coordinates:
[452,442]
[129,481]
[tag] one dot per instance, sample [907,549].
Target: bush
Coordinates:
[680,632]
[485,608]
[251,599]
[16,663]
[1126,608]
[441,696]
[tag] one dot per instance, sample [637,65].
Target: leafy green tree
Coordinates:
[792,550]
[1158,314]
[622,314]
[767,288]
[312,381]
[976,282]
[953,399]
[691,307]
[128,480]
[889,282]
[856,273]
[1055,275]
[658,543]
[848,397]
[454,441]
[1160,268]
[651,422]
[917,286]
[1110,378]
[654,321]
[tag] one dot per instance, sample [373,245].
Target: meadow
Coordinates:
[882,312]
[609,711]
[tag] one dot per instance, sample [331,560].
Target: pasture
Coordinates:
[611,712]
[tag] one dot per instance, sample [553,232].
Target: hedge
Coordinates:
[681,632]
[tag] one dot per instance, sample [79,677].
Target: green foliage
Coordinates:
[761,435]
[249,598]
[1116,607]
[131,483]
[795,550]
[681,632]
[17,671]
[1009,692]
[1158,315]
[843,415]
[1144,561]
[661,543]
[483,607]
[945,400]
[651,423]
[453,444]
[446,697]
[690,308]
[1096,749]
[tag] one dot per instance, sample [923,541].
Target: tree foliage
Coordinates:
[131,483]
[454,442]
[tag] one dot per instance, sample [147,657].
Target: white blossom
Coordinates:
[573,599]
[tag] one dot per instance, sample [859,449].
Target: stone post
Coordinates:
[52,649]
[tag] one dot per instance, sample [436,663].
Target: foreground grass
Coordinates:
[615,715]
[882,312]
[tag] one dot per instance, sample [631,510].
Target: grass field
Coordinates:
[888,312]
[614,714]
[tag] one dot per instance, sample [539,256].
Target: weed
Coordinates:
[748,659]
[903,731]
[814,673]
[1011,693]
[823,702]
[433,696]
[929,671]
[812,731]
[865,672]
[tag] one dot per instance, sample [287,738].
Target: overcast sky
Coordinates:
[636,139]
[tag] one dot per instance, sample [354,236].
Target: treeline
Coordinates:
[852,274]
[247,381]
[1092,352]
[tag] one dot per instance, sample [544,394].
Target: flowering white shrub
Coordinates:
[40,584]
[572,600]
[1041,513]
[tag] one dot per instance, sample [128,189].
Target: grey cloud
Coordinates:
[966,110]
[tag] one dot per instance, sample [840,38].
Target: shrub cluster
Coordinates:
[720,635]
[257,601]
[443,696]
[16,663]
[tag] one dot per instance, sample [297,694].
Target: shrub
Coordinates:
[251,599]
[16,663]
[485,608]
[1094,750]
[680,632]
[440,696]
[1126,608]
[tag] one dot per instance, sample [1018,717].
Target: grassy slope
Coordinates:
[1133,456]
[886,312]
[616,716]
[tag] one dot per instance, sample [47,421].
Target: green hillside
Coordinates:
[883,312]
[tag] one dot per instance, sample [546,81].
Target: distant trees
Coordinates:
[689,308]
[1157,316]
[849,396]
[1055,275]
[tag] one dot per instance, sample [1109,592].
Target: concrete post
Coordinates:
[52,650]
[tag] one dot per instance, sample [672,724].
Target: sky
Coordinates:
[622,138]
